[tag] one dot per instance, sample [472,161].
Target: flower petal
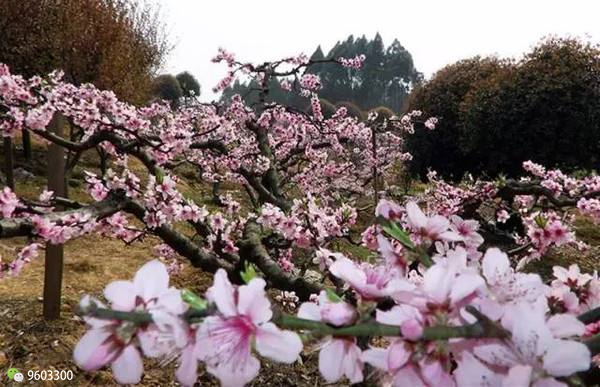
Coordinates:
[151,280]
[172,301]
[450,236]
[149,340]
[496,354]
[279,345]
[310,311]
[204,347]
[172,326]
[377,357]
[93,350]
[465,285]
[253,301]
[416,217]
[518,376]
[236,375]
[437,282]
[434,374]
[397,355]
[565,325]
[494,265]
[337,313]
[472,372]
[408,376]
[352,363]
[121,295]
[566,357]
[398,315]
[527,324]
[128,367]
[347,270]
[187,372]
[331,360]
[222,294]
[386,250]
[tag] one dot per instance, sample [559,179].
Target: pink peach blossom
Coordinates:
[224,341]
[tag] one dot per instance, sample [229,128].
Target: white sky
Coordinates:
[435,32]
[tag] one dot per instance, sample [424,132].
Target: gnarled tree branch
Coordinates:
[253,250]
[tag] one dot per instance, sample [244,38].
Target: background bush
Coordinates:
[495,113]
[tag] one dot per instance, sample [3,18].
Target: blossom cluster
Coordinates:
[353,63]
[308,224]
[310,82]
[8,202]
[572,291]
[223,340]
[457,318]
[541,204]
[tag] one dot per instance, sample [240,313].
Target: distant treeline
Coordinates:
[494,113]
[385,79]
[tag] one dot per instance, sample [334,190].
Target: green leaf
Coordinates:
[193,300]
[394,231]
[332,296]
[160,175]
[249,273]
[541,221]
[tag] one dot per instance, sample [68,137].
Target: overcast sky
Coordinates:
[435,32]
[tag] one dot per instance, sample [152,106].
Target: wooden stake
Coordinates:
[54,253]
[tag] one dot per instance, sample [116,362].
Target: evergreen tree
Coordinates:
[386,78]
